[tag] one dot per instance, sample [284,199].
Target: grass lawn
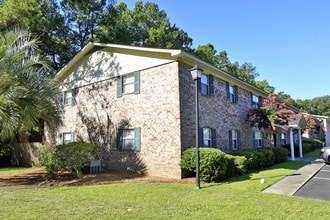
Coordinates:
[11,170]
[239,198]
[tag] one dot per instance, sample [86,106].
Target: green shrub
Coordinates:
[238,165]
[213,163]
[47,159]
[5,150]
[256,158]
[281,154]
[80,154]
[72,157]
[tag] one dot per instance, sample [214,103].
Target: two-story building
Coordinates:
[138,105]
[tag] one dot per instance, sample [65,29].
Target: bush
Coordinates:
[47,159]
[281,154]
[213,163]
[72,157]
[256,158]
[307,146]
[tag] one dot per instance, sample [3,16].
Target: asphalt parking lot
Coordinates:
[317,187]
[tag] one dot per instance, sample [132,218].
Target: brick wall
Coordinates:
[215,112]
[98,114]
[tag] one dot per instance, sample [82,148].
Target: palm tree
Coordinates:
[27,94]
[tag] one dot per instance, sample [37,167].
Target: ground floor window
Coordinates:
[129,139]
[208,136]
[257,139]
[66,137]
[283,138]
[234,139]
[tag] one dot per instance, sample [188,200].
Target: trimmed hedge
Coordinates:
[281,154]
[307,146]
[215,165]
[257,158]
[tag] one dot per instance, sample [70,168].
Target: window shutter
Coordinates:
[137,82]
[200,137]
[119,140]
[227,89]
[62,98]
[199,86]
[238,139]
[254,139]
[119,86]
[211,85]
[61,138]
[73,94]
[251,98]
[236,94]
[261,100]
[137,139]
[214,137]
[230,140]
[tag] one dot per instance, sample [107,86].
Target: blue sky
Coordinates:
[287,40]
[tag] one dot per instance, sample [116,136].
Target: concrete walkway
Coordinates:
[292,183]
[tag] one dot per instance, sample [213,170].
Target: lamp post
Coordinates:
[196,74]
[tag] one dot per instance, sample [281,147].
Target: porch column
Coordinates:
[291,144]
[300,143]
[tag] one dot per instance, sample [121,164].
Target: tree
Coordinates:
[246,72]
[27,94]
[320,106]
[145,25]
[271,115]
[264,85]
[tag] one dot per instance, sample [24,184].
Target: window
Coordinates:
[128,84]
[129,139]
[283,138]
[206,85]
[234,139]
[207,137]
[66,137]
[68,98]
[232,93]
[257,139]
[255,101]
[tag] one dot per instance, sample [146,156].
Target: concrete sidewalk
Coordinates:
[292,183]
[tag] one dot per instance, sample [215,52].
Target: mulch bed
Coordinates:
[35,177]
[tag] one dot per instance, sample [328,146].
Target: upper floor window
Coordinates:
[68,97]
[234,139]
[255,101]
[257,139]
[128,83]
[206,85]
[232,93]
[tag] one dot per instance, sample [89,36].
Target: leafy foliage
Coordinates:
[271,114]
[215,165]
[27,94]
[70,157]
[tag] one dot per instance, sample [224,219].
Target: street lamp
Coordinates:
[196,74]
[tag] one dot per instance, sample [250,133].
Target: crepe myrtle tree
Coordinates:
[271,114]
